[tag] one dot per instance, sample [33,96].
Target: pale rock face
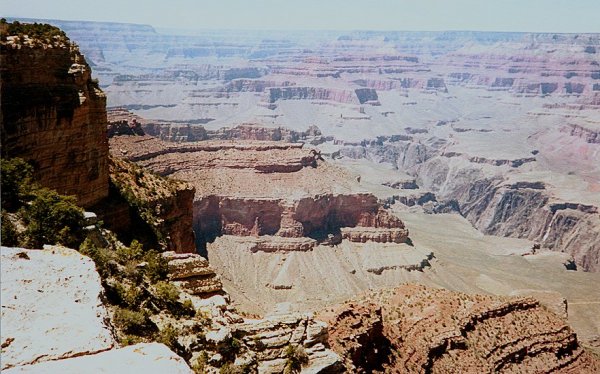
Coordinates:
[276,331]
[139,358]
[51,307]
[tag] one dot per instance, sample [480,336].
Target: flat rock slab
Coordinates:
[51,307]
[139,358]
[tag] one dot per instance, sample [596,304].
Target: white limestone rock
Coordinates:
[139,358]
[51,307]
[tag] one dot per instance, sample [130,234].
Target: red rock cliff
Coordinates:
[54,115]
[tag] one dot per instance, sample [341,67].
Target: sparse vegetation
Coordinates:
[48,217]
[137,289]
[10,236]
[229,348]
[52,219]
[199,366]
[39,31]
[296,357]
[168,336]
[146,192]
[16,183]
[131,321]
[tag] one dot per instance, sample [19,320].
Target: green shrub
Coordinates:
[132,272]
[134,252]
[166,292]
[101,256]
[188,308]
[168,336]
[129,296]
[199,366]
[131,321]
[16,182]
[52,218]
[9,236]
[41,31]
[229,368]
[156,266]
[229,348]
[296,358]
[258,344]
[130,340]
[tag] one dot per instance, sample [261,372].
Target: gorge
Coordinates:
[317,202]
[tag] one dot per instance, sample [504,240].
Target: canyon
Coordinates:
[524,104]
[284,177]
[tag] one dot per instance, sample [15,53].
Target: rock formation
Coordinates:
[271,189]
[517,206]
[154,207]
[134,358]
[192,273]
[51,306]
[54,115]
[420,329]
[61,300]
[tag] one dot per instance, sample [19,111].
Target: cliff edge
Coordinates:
[53,113]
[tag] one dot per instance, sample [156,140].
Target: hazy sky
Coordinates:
[491,15]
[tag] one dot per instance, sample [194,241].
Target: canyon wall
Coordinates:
[54,116]
[392,331]
[267,190]
[478,188]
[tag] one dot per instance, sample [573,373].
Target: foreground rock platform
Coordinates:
[144,357]
[51,306]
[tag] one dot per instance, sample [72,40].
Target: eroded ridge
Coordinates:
[420,329]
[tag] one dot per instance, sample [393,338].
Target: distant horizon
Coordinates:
[187,31]
[502,16]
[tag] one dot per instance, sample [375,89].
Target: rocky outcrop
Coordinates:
[589,135]
[150,206]
[529,213]
[421,329]
[379,226]
[356,334]
[253,85]
[134,358]
[272,337]
[357,217]
[51,307]
[495,206]
[192,273]
[54,115]
[358,96]
[123,122]
[55,293]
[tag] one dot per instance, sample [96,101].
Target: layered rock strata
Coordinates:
[54,115]
[272,336]
[123,122]
[496,201]
[420,329]
[260,189]
[192,273]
